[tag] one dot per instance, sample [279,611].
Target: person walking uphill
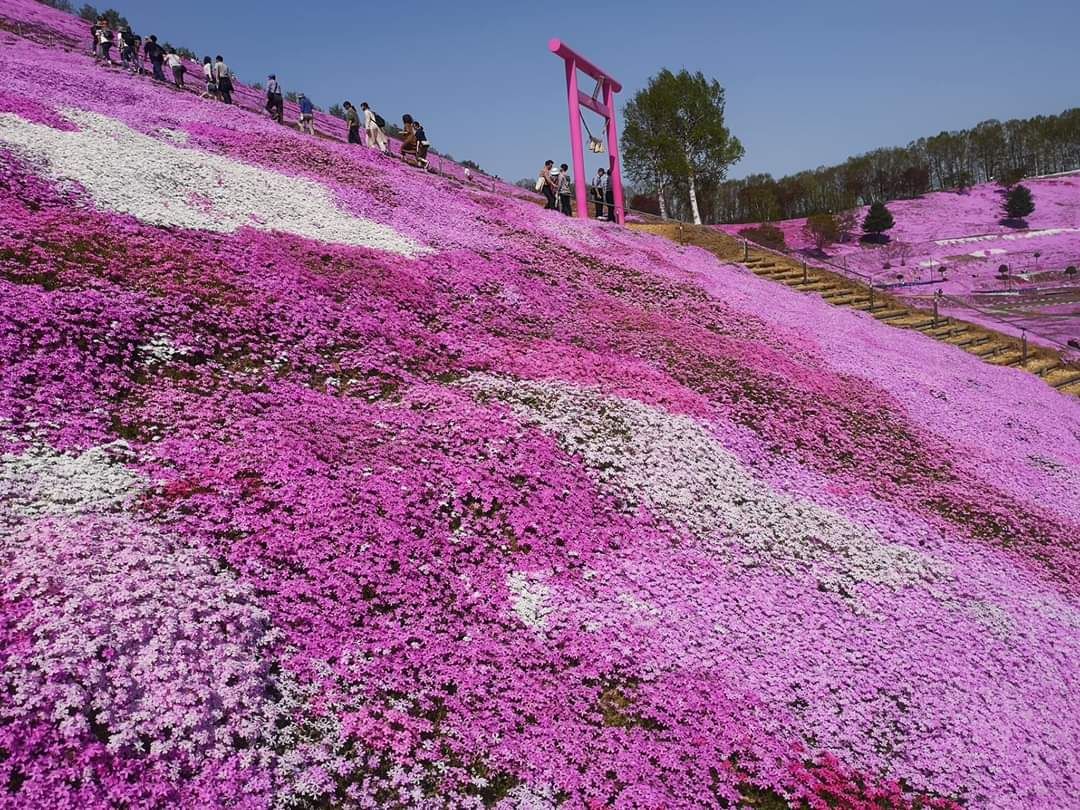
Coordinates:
[155,54]
[307,114]
[176,65]
[211,79]
[128,52]
[352,119]
[224,79]
[105,40]
[373,124]
[275,102]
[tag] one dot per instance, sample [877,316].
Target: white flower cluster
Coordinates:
[161,349]
[530,598]
[674,465]
[41,483]
[162,184]
[131,629]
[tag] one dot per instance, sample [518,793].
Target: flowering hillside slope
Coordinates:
[956,242]
[327,483]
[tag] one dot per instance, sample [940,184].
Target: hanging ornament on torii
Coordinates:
[601,102]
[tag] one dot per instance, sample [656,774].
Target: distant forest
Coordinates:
[992,150]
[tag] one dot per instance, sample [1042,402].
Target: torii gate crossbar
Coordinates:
[604,108]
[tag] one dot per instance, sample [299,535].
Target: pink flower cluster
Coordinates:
[418,497]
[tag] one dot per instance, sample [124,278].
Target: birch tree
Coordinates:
[675,131]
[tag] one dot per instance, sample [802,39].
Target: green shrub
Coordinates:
[765,235]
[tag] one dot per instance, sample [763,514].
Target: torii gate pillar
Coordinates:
[604,108]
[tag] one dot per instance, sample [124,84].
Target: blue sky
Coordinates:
[807,83]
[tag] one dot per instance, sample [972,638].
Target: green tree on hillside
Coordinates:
[337,111]
[88,13]
[878,220]
[675,130]
[823,229]
[114,18]
[1019,203]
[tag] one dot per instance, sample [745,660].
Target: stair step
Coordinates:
[891,314]
[1010,357]
[967,339]
[1073,377]
[846,300]
[918,325]
[929,327]
[989,349]
[947,331]
[1041,366]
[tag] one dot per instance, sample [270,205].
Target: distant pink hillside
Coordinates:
[963,232]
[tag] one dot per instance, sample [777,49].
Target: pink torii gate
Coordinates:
[606,109]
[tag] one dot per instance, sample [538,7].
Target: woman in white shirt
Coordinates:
[176,64]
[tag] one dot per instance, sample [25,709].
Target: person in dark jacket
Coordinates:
[128,54]
[155,55]
[275,102]
[422,144]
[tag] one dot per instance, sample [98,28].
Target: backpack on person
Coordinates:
[380,122]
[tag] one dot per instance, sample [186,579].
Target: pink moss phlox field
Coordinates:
[327,483]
